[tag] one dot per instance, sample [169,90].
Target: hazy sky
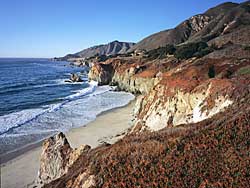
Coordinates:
[48,28]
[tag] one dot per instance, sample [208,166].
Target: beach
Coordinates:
[109,126]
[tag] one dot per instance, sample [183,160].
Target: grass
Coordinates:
[244,70]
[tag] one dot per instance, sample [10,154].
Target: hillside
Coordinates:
[214,23]
[111,48]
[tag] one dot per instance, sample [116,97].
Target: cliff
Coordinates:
[57,157]
[187,94]
[125,73]
[191,91]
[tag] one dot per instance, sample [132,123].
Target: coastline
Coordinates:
[109,126]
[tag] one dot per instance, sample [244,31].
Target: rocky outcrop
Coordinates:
[128,74]
[187,94]
[167,107]
[56,158]
[129,80]
[101,73]
[74,78]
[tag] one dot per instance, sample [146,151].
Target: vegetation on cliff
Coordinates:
[214,153]
[185,51]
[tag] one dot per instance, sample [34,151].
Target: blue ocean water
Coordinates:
[35,100]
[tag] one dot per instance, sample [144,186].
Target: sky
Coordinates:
[52,28]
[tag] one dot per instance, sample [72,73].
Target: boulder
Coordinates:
[75,78]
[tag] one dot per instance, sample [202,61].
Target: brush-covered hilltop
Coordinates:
[216,22]
[191,118]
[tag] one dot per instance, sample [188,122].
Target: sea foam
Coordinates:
[17,119]
[28,126]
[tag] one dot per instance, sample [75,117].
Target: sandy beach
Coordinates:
[22,170]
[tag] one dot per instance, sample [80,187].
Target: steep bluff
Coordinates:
[187,94]
[191,91]
[125,73]
[168,107]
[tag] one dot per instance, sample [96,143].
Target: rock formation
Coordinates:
[57,157]
[184,95]
[74,78]
[102,73]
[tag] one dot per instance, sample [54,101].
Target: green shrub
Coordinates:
[189,50]
[203,52]
[161,52]
[244,70]
[211,72]
[246,47]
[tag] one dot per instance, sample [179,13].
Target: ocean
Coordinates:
[36,102]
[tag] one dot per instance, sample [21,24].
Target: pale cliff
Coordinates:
[185,94]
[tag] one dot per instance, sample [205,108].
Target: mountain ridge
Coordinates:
[112,48]
[206,26]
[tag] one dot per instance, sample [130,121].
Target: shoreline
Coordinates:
[25,162]
[12,155]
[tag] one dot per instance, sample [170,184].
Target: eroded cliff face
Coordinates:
[126,74]
[127,80]
[56,158]
[101,73]
[190,93]
[166,106]
[173,93]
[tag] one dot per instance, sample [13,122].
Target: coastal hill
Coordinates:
[214,23]
[111,48]
[225,23]
[191,116]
